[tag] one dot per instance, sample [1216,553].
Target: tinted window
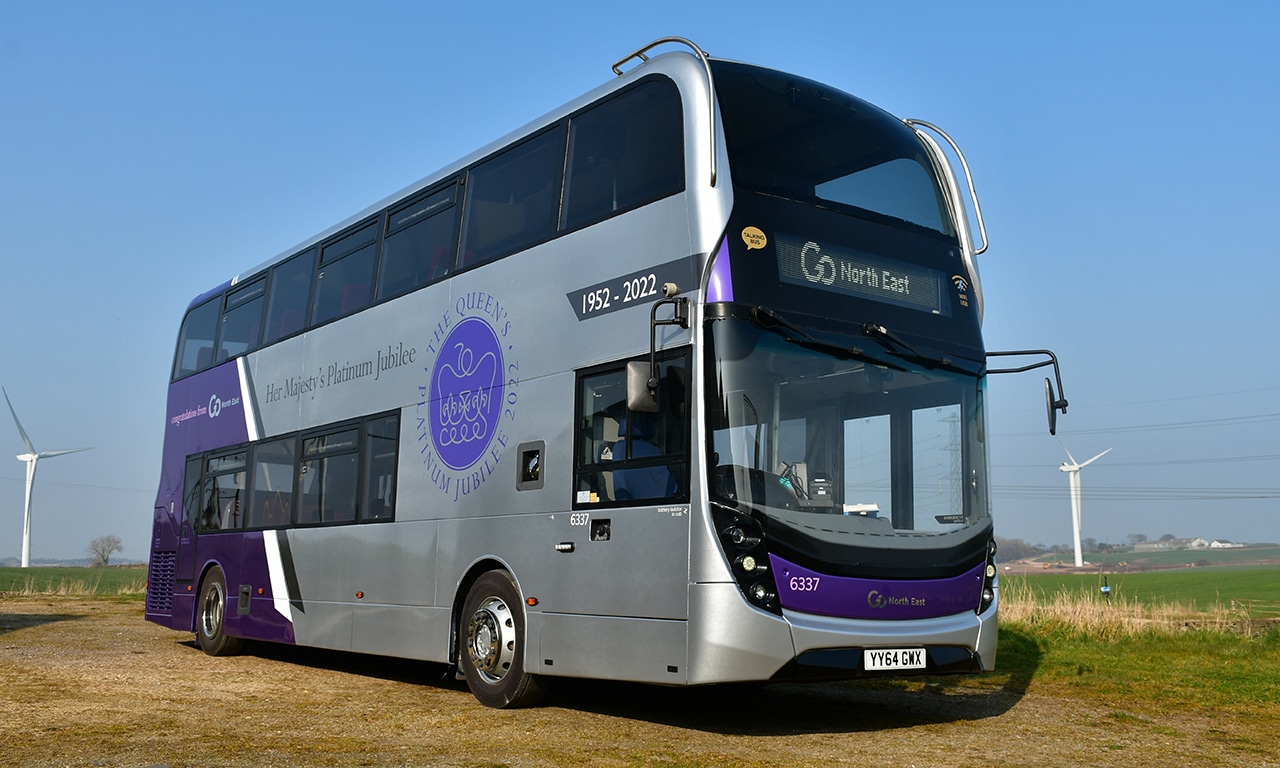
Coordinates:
[242,320]
[420,244]
[624,456]
[802,140]
[381,438]
[290,297]
[624,153]
[195,340]
[191,495]
[271,504]
[512,199]
[343,475]
[224,493]
[329,477]
[345,281]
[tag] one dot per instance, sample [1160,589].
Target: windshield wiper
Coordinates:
[769,320]
[882,334]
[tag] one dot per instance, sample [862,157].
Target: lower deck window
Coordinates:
[337,475]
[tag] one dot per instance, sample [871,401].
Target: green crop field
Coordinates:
[1132,560]
[131,581]
[1204,589]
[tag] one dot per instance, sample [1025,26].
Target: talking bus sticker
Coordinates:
[467,405]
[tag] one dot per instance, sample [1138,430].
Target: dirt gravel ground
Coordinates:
[89,683]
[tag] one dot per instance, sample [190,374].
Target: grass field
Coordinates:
[1131,561]
[126,581]
[1246,588]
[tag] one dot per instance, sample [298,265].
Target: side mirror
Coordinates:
[1048,402]
[642,377]
[642,391]
[1053,403]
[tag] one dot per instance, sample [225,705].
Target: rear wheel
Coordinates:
[492,633]
[211,615]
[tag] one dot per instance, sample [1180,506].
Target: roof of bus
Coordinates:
[681,66]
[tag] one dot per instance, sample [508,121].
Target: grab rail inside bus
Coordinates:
[706,67]
[968,177]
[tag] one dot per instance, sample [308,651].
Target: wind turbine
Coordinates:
[30,458]
[1073,472]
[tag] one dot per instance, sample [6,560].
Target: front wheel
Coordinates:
[211,614]
[492,631]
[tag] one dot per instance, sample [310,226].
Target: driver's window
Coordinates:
[623,457]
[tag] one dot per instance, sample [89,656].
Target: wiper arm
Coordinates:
[769,320]
[879,332]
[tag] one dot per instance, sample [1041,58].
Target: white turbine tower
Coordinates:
[1073,472]
[30,458]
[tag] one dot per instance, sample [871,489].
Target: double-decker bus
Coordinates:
[682,383]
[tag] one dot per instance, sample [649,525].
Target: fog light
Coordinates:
[760,592]
[987,596]
[736,535]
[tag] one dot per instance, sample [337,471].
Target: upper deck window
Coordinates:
[806,141]
[624,153]
[195,340]
[419,245]
[512,199]
[242,320]
[344,283]
[290,297]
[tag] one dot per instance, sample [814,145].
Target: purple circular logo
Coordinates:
[467,393]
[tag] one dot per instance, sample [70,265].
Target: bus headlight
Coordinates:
[761,593]
[988,594]
[742,540]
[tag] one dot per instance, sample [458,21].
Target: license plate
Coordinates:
[893,658]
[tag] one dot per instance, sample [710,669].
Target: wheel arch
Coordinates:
[205,568]
[469,578]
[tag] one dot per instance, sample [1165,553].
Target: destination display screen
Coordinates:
[856,273]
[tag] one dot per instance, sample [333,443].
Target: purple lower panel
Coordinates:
[243,558]
[801,589]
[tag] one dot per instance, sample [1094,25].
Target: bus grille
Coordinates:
[161,577]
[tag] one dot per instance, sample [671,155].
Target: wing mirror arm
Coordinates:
[642,377]
[1053,403]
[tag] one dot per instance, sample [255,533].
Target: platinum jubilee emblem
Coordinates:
[472,390]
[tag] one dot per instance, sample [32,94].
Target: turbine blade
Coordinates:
[1069,456]
[22,432]
[47,454]
[1095,458]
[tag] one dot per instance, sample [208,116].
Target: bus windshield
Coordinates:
[806,141]
[840,451]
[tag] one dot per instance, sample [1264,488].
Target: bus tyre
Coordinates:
[211,614]
[492,634]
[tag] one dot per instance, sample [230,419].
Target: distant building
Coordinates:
[1171,544]
[1223,544]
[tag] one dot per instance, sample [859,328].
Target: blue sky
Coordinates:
[149,151]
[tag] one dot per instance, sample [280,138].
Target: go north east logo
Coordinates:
[471,396]
[213,410]
[877,599]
